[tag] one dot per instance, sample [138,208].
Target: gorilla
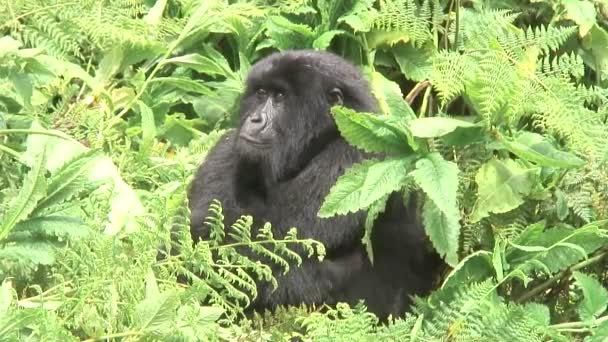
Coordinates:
[278,166]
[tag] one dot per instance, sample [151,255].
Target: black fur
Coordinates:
[286,183]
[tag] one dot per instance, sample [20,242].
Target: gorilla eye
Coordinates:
[261,92]
[336,97]
[279,95]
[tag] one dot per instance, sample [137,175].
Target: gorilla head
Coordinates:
[285,109]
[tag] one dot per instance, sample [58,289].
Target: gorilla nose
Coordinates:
[258,118]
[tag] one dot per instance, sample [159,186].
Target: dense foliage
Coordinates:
[494,111]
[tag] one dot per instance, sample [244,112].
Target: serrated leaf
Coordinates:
[156,314]
[148,127]
[600,333]
[443,230]
[502,186]
[533,147]
[474,268]
[363,184]
[389,96]
[373,212]
[415,63]
[33,189]
[212,63]
[42,253]
[438,178]
[434,127]
[155,14]
[371,132]
[54,226]
[185,84]
[555,249]
[69,180]
[323,41]
[595,296]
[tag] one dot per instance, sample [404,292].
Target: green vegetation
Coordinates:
[494,110]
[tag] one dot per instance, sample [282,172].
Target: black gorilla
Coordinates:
[279,165]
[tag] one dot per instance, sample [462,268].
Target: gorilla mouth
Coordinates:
[254,142]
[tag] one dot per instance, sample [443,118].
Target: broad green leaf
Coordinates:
[554,249]
[582,13]
[595,296]
[185,84]
[443,230]
[502,186]
[538,312]
[155,314]
[475,267]
[155,14]
[148,127]
[55,225]
[33,189]
[213,63]
[415,63]
[26,252]
[599,334]
[371,132]
[380,39]
[8,45]
[363,184]
[151,285]
[373,212]
[323,41]
[561,205]
[389,96]
[23,86]
[69,180]
[533,147]
[125,205]
[434,127]
[438,178]
[110,64]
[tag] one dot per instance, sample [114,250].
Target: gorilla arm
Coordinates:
[214,180]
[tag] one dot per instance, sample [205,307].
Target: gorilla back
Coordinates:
[279,165]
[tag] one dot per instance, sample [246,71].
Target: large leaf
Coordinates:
[156,313]
[556,248]
[371,132]
[434,127]
[33,189]
[69,180]
[535,148]
[438,178]
[595,296]
[212,63]
[389,96]
[363,184]
[502,186]
[125,205]
[474,268]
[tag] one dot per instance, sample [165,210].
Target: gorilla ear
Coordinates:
[336,97]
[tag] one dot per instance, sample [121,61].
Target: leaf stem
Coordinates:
[551,281]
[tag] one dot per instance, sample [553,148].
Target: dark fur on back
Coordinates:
[287,183]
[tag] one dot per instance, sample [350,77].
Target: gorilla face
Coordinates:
[285,115]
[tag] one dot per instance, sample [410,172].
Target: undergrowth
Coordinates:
[496,115]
